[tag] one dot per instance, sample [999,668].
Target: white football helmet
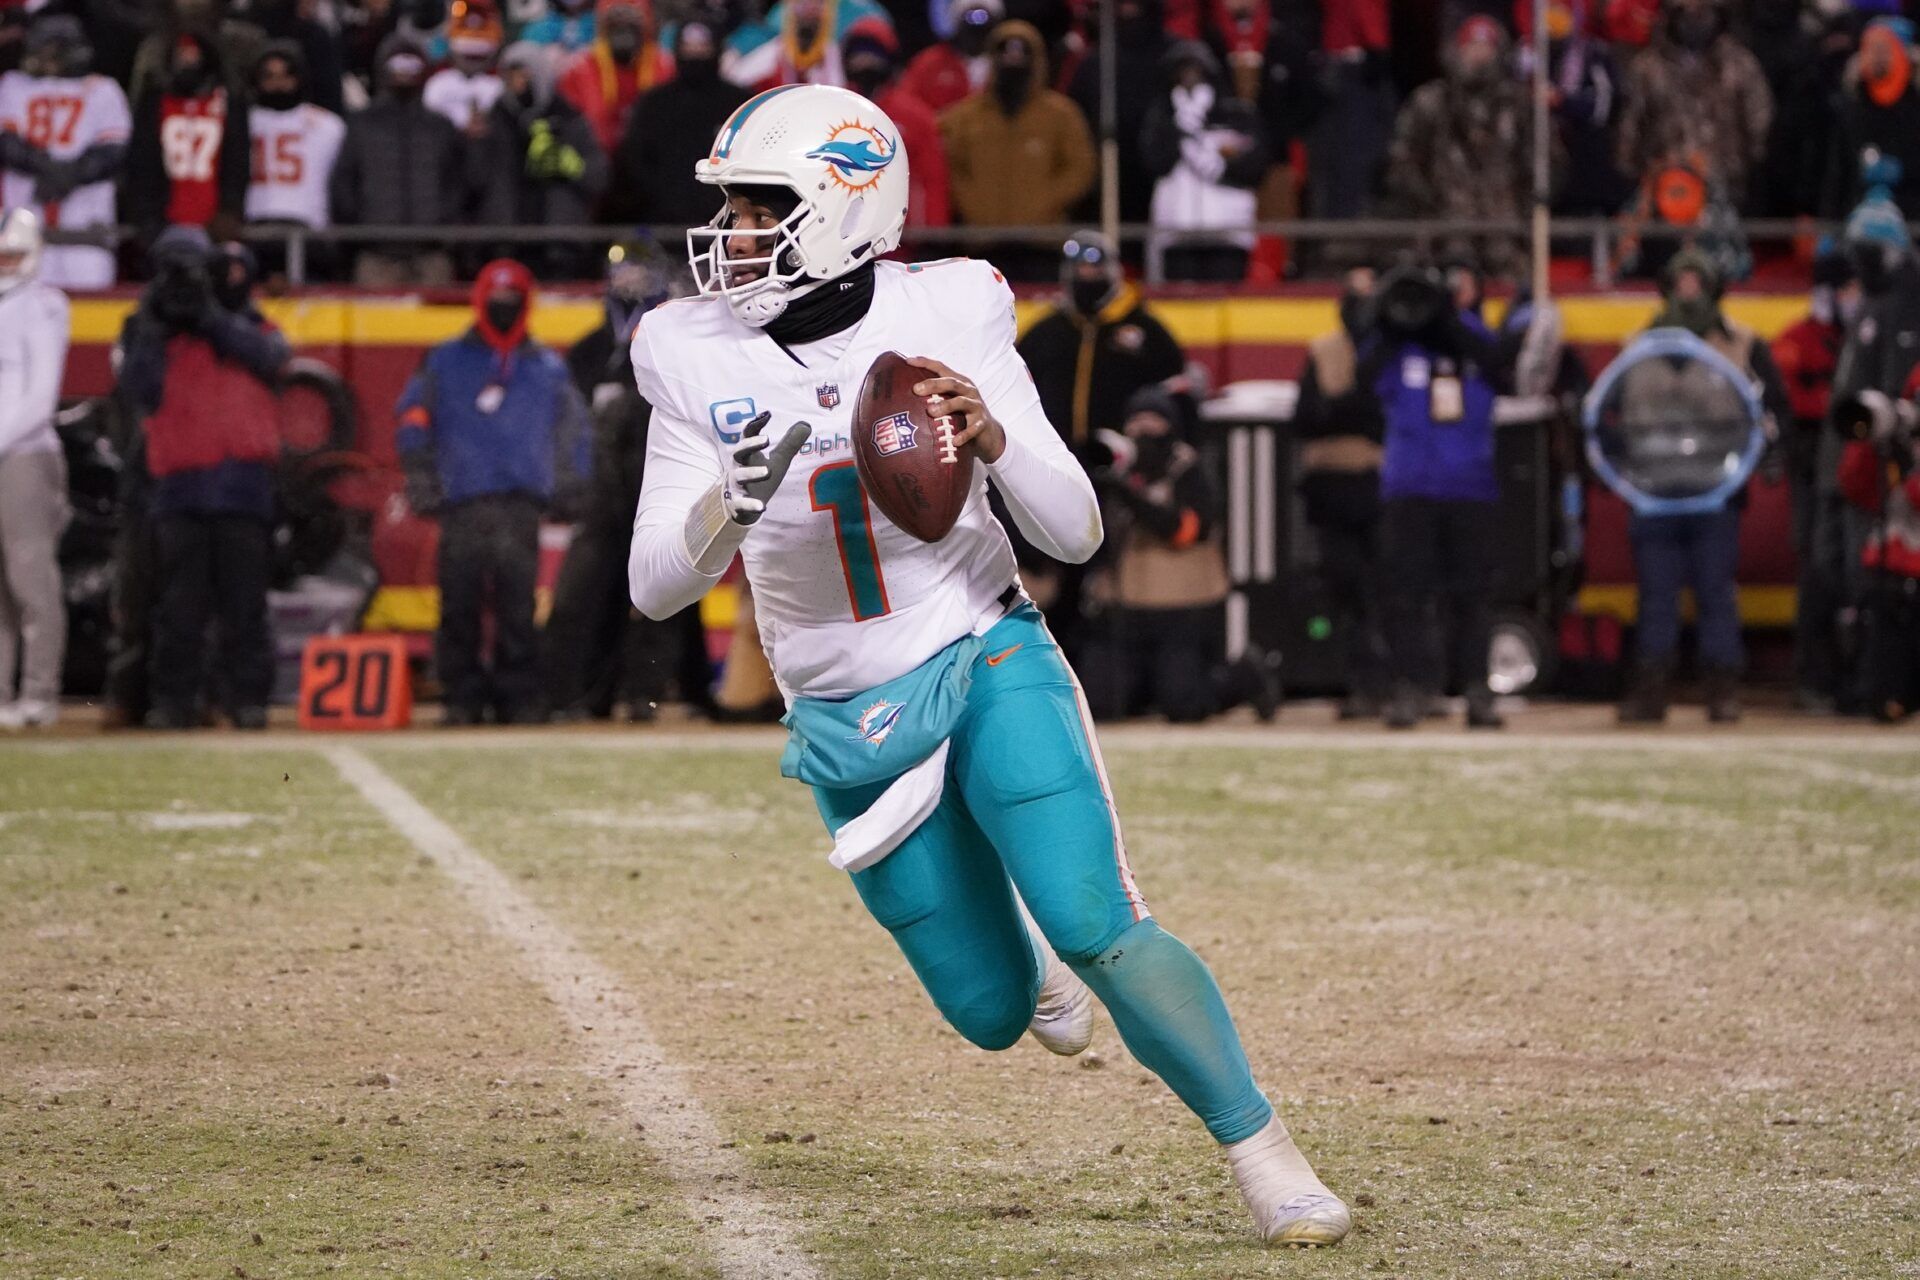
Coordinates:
[19,248]
[842,157]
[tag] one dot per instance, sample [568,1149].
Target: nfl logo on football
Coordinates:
[894,435]
[828,394]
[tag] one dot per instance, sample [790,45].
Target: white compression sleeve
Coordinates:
[711,535]
[1048,494]
[682,538]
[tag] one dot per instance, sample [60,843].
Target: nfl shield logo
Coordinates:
[894,435]
[828,394]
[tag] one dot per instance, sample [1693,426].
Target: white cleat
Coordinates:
[1290,1205]
[28,713]
[1063,1020]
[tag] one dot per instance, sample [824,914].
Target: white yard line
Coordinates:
[749,1237]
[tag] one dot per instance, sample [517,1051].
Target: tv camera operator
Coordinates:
[199,378]
[1433,369]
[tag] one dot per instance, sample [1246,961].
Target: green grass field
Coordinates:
[1538,1008]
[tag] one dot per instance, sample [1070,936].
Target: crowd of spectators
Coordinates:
[421,113]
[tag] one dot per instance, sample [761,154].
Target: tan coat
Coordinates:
[1026,169]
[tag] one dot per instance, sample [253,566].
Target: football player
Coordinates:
[34,319]
[945,738]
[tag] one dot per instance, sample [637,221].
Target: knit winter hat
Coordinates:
[1877,219]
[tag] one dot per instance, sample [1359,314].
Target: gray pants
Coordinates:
[33,607]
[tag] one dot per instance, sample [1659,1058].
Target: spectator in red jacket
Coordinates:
[624,61]
[942,74]
[1806,355]
[870,54]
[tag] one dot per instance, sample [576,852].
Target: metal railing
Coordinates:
[1359,238]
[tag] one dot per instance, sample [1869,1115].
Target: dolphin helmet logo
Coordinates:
[855,154]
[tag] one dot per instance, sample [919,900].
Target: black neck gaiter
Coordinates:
[835,305]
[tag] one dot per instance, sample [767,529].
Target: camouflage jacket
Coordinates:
[1714,108]
[1460,153]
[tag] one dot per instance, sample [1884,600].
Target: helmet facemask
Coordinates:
[760,285]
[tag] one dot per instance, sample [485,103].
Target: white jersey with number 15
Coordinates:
[293,155]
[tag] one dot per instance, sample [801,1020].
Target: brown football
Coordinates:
[908,463]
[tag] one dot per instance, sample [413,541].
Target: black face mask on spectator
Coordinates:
[868,77]
[504,312]
[1695,28]
[282,74]
[695,59]
[1090,295]
[1012,85]
[623,42]
[189,79]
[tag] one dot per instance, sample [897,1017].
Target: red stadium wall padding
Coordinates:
[378,363]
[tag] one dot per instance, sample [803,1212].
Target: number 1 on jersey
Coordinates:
[836,488]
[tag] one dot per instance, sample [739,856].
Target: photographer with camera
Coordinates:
[200,376]
[1806,355]
[1434,370]
[1337,422]
[1878,477]
[1164,584]
[1880,356]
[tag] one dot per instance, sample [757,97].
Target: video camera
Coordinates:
[1410,301]
[1891,426]
[181,293]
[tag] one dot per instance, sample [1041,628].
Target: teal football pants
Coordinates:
[1026,806]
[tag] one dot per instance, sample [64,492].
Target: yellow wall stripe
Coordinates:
[1759,606]
[1198,322]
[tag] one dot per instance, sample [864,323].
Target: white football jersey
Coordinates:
[844,599]
[458,96]
[293,155]
[64,116]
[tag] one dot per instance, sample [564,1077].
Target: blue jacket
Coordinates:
[1450,461]
[475,423]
